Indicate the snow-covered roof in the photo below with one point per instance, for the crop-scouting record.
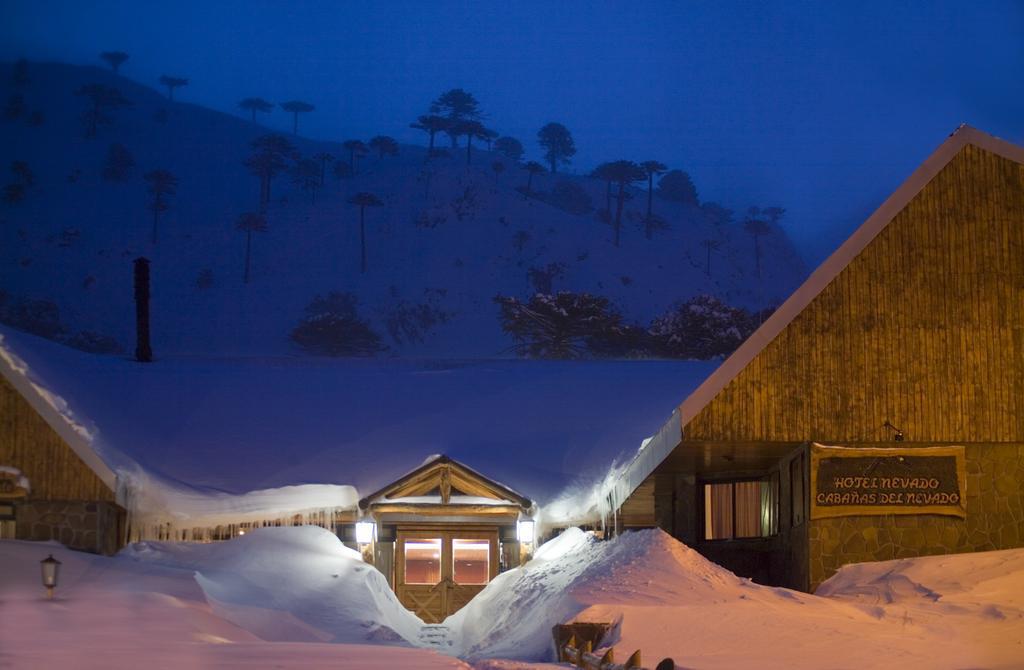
(220, 427)
(671, 432)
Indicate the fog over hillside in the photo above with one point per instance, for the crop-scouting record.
(446, 239)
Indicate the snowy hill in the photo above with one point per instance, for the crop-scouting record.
(447, 239)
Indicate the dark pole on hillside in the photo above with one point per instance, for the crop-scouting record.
(143, 351)
(362, 237)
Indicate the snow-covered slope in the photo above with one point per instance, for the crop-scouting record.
(447, 236)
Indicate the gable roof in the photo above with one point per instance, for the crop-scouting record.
(446, 474)
(671, 432)
(55, 412)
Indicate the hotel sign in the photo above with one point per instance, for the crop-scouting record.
(848, 481)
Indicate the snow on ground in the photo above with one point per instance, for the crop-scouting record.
(669, 601)
(287, 597)
(272, 600)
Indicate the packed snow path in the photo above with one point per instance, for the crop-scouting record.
(435, 636)
(295, 595)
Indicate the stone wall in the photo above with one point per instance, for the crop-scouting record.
(86, 526)
(995, 520)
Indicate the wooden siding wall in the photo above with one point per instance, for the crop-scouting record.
(28, 443)
(924, 328)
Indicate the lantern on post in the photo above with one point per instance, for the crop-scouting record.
(51, 571)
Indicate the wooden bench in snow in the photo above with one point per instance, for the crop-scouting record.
(576, 643)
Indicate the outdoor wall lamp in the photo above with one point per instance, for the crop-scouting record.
(897, 434)
(51, 571)
(525, 531)
(365, 532)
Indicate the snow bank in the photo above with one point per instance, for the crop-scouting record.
(141, 610)
(290, 584)
(668, 601)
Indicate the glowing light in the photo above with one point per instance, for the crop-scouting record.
(365, 530)
(525, 531)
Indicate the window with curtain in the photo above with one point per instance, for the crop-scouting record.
(741, 509)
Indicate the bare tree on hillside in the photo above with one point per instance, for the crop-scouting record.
(651, 168)
(104, 99)
(364, 200)
(253, 105)
(172, 83)
(558, 145)
(296, 107)
(384, 146)
(250, 223)
(115, 59)
(162, 184)
(271, 155)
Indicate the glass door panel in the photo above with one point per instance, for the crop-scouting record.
(471, 561)
(423, 561)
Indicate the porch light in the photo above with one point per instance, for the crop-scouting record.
(51, 571)
(365, 531)
(525, 531)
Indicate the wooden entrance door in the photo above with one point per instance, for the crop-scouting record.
(439, 570)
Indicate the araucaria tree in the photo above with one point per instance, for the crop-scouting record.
(162, 184)
(119, 163)
(470, 129)
(677, 186)
(498, 168)
(296, 107)
(564, 325)
(355, 149)
(332, 327)
(532, 168)
(271, 154)
(103, 99)
(558, 145)
(253, 105)
(431, 124)
(710, 245)
(509, 147)
(651, 168)
(172, 83)
(323, 158)
(306, 174)
(115, 59)
(364, 200)
(250, 223)
(623, 173)
(758, 224)
(456, 106)
(384, 146)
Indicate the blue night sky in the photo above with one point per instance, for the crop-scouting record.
(822, 108)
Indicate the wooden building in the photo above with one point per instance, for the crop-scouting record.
(53, 486)
(441, 533)
(879, 412)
